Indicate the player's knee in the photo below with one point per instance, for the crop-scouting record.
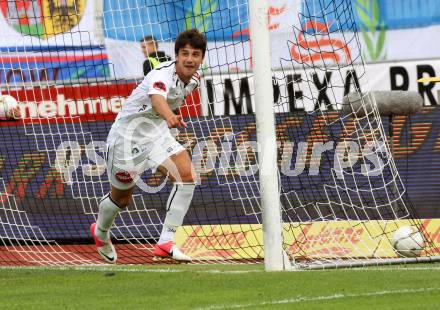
(187, 177)
(121, 197)
(122, 202)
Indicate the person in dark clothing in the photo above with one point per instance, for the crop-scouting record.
(154, 57)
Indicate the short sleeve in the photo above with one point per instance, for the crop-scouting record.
(159, 83)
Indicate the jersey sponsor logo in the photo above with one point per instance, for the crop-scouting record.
(144, 106)
(124, 177)
(160, 86)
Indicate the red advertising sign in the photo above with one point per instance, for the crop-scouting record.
(81, 102)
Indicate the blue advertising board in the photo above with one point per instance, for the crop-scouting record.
(38, 197)
(53, 66)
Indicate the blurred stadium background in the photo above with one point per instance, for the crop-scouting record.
(71, 65)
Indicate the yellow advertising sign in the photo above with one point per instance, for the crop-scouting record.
(221, 241)
(45, 18)
(331, 239)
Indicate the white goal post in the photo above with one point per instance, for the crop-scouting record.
(266, 139)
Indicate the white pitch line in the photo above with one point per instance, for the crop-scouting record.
(301, 299)
(121, 268)
(378, 268)
(108, 268)
(85, 268)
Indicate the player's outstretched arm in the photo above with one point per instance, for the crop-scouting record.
(162, 108)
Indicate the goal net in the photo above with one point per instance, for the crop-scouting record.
(72, 64)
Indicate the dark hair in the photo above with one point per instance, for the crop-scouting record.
(192, 37)
(148, 38)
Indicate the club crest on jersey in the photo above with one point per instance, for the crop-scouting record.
(124, 177)
(160, 86)
(43, 19)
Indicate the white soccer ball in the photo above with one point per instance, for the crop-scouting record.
(9, 101)
(7, 106)
(408, 241)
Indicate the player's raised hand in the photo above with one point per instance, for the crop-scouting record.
(175, 121)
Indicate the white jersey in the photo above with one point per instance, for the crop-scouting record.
(137, 109)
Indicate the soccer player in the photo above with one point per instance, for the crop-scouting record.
(154, 57)
(140, 139)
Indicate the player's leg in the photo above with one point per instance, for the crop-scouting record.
(122, 186)
(109, 207)
(181, 171)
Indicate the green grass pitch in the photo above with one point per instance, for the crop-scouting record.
(219, 287)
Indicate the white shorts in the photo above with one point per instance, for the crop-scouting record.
(125, 162)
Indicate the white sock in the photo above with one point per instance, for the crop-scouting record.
(106, 216)
(177, 206)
